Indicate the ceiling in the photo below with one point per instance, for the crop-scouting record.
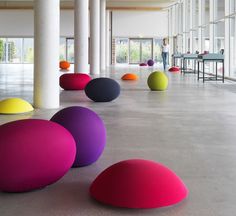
(110, 3)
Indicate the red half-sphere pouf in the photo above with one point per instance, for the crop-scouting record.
(143, 64)
(138, 184)
(64, 65)
(74, 81)
(174, 69)
(33, 154)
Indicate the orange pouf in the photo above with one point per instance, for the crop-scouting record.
(130, 76)
(64, 65)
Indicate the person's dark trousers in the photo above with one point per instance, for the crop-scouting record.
(165, 58)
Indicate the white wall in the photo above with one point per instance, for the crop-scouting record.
(140, 23)
(125, 23)
(16, 23)
(21, 23)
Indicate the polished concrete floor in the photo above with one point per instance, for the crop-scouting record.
(191, 128)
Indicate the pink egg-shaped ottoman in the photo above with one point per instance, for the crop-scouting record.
(174, 69)
(33, 154)
(138, 184)
(74, 81)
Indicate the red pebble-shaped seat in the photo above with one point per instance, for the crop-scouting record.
(143, 64)
(138, 184)
(174, 69)
(74, 81)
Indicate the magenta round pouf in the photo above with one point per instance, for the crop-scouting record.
(33, 154)
(74, 81)
(150, 62)
(88, 130)
(138, 184)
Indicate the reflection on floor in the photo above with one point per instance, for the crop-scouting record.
(189, 128)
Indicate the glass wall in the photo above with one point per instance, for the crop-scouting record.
(62, 48)
(70, 49)
(21, 50)
(232, 6)
(2, 50)
(28, 50)
(157, 50)
(219, 36)
(213, 29)
(233, 47)
(219, 9)
(137, 50)
(16, 50)
(122, 50)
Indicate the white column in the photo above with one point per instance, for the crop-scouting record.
(95, 36)
(46, 54)
(227, 40)
(81, 29)
(184, 27)
(108, 39)
(212, 26)
(201, 13)
(192, 25)
(103, 34)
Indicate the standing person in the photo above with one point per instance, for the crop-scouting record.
(165, 52)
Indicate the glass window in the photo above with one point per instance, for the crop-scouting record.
(195, 41)
(232, 6)
(219, 9)
(233, 47)
(2, 50)
(206, 39)
(196, 14)
(135, 51)
(14, 50)
(180, 43)
(70, 50)
(62, 48)
(219, 36)
(207, 12)
(157, 50)
(28, 50)
(146, 50)
(122, 50)
(187, 16)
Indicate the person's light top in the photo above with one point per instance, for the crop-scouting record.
(165, 48)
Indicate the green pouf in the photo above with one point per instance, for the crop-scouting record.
(158, 81)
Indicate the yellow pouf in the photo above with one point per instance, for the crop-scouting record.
(158, 81)
(15, 106)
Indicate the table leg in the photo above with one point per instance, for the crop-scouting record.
(203, 70)
(198, 72)
(223, 71)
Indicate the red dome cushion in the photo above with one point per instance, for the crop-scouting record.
(74, 81)
(174, 69)
(138, 184)
(143, 64)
